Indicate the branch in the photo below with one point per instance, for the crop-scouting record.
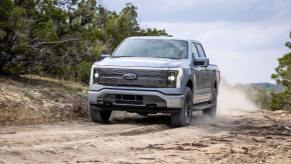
(55, 42)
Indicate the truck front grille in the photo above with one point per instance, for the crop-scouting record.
(144, 78)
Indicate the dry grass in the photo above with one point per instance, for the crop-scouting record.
(33, 99)
(72, 85)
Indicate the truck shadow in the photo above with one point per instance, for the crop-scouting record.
(129, 118)
(151, 119)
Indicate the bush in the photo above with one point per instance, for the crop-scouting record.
(278, 100)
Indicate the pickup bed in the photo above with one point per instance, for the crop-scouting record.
(154, 75)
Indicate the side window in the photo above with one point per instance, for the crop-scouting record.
(200, 50)
(194, 51)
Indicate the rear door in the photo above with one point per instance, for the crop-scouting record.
(207, 74)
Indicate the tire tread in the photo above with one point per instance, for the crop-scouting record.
(99, 116)
(178, 119)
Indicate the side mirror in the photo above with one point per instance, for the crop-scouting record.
(201, 62)
(103, 56)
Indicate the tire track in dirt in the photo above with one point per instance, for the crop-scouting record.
(244, 138)
(63, 135)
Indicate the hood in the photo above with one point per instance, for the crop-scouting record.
(141, 62)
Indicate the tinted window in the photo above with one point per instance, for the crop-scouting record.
(194, 51)
(174, 49)
(200, 50)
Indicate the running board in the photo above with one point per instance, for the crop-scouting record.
(202, 106)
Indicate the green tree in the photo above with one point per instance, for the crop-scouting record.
(283, 77)
(61, 38)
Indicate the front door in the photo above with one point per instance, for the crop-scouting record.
(202, 80)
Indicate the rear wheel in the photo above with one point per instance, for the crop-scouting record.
(184, 116)
(211, 112)
(99, 115)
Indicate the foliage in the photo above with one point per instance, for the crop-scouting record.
(279, 100)
(283, 77)
(61, 38)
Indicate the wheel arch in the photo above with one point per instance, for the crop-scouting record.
(215, 85)
(190, 84)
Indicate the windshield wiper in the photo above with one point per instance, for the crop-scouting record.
(122, 56)
(167, 58)
(145, 56)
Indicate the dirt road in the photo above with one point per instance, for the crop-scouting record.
(239, 137)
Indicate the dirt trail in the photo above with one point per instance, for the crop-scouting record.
(240, 137)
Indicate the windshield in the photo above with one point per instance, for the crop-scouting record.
(157, 48)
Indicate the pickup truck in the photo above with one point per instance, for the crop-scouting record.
(149, 75)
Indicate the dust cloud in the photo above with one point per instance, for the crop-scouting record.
(233, 99)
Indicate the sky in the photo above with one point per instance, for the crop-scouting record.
(243, 37)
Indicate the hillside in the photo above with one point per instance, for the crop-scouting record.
(261, 93)
(33, 99)
(268, 87)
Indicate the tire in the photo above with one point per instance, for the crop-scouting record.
(184, 116)
(142, 113)
(211, 112)
(98, 115)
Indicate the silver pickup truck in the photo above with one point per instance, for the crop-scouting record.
(154, 75)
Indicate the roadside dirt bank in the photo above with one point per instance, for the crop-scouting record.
(28, 100)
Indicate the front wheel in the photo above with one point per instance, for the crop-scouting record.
(99, 115)
(184, 116)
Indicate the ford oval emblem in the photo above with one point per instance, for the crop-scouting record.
(129, 76)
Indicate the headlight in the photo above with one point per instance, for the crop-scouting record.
(172, 79)
(95, 76)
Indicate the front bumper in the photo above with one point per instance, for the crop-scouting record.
(151, 100)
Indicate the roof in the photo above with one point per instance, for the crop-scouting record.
(162, 38)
